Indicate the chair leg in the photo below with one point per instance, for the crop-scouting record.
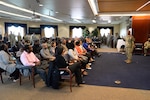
(5, 73)
(70, 84)
(32, 75)
(20, 78)
(70, 77)
(1, 78)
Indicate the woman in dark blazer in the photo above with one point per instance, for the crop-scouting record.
(74, 67)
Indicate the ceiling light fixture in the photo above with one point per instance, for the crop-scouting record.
(143, 13)
(94, 21)
(13, 14)
(15, 7)
(94, 6)
(40, 4)
(28, 11)
(77, 20)
(109, 21)
(143, 6)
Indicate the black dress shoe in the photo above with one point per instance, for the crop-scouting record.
(83, 82)
(78, 84)
(99, 55)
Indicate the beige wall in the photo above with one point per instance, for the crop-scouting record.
(1, 27)
(63, 29)
(123, 29)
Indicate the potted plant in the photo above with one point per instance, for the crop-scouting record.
(86, 32)
(94, 32)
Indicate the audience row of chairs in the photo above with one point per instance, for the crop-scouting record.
(32, 75)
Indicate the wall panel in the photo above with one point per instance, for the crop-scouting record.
(141, 28)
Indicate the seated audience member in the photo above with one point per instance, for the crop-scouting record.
(146, 46)
(18, 53)
(15, 48)
(82, 51)
(21, 43)
(28, 58)
(27, 42)
(74, 58)
(72, 53)
(87, 46)
(7, 63)
(52, 48)
(1, 37)
(36, 48)
(96, 41)
(90, 48)
(63, 44)
(45, 53)
(74, 67)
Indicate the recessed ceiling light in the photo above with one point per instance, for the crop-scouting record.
(109, 21)
(40, 4)
(94, 21)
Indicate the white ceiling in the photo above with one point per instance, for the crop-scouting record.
(65, 10)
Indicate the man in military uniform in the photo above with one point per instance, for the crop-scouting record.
(129, 46)
(146, 46)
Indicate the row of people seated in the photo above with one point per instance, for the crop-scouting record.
(29, 58)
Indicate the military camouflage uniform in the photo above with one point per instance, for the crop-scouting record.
(129, 46)
(146, 46)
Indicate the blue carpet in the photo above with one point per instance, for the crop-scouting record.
(111, 67)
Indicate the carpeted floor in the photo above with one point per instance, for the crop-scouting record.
(95, 91)
(111, 67)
